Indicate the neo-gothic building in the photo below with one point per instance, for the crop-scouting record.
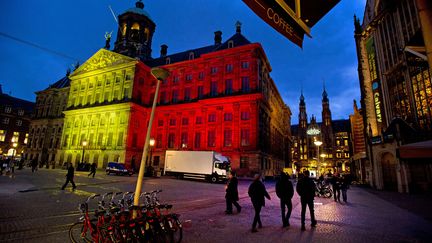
(335, 151)
(219, 97)
(394, 49)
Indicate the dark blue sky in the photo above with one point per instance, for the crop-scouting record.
(76, 28)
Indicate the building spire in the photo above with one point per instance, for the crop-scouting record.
(324, 94)
(238, 27)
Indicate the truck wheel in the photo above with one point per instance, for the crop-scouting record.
(214, 178)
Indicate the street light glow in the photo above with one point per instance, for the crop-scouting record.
(84, 143)
(318, 143)
(152, 142)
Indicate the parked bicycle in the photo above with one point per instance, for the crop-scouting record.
(323, 190)
(114, 222)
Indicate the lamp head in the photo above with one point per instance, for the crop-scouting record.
(160, 73)
(318, 143)
(152, 142)
(84, 143)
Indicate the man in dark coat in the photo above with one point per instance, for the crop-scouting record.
(306, 191)
(335, 182)
(257, 192)
(231, 195)
(92, 169)
(69, 177)
(285, 191)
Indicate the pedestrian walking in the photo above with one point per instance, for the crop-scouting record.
(335, 182)
(306, 190)
(12, 166)
(257, 192)
(344, 185)
(92, 170)
(231, 195)
(34, 164)
(285, 191)
(70, 177)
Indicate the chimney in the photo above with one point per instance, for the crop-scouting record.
(164, 50)
(218, 37)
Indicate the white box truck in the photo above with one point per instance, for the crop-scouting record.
(207, 165)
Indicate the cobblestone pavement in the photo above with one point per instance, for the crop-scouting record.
(33, 209)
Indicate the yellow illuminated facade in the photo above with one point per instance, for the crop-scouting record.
(98, 110)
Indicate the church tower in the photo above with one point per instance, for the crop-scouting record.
(302, 136)
(326, 127)
(135, 33)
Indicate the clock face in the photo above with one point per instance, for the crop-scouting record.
(375, 85)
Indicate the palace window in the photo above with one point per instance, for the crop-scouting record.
(229, 68)
(200, 92)
(189, 77)
(185, 121)
(199, 120)
(245, 84)
(172, 122)
(201, 75)
(244, 137)
(160, 123)
(245, 65)
(2, 135)
(171, 140)
(211, 138)
(245, 115)
(212, 117)
(213, 89)
(228, 86)
(213, 70)
(228, 138)
(197, 140)
(228, 117)
(187, 94)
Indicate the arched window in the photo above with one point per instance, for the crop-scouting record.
(168, 60)
(230, 44)
(135, 31)
(191, 55)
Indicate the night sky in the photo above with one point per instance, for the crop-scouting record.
(76, 29)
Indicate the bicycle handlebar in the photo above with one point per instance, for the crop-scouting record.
(92, 197)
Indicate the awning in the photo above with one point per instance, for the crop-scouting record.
(416, 150)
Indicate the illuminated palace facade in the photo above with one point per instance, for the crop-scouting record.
(333, 154)
(218, 97)
(394, 44)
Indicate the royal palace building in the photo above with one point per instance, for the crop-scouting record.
(218, 97)
(394, 49)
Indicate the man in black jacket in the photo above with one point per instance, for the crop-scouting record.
(285, 191)
(69, 177)
(257, 192)
(231, 195)
(306, 191)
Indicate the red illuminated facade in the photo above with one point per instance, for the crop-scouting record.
(217, 98)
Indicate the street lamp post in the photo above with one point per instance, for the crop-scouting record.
(160, 74)
(318, 144)
(84, 144)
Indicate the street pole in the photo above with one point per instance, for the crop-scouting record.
(160, 74)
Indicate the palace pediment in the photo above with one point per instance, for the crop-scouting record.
(103, 59)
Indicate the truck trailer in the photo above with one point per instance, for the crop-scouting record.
(207, 165)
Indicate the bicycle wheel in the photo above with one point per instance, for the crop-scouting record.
(175, 230)
(328, 193)
(77, 234)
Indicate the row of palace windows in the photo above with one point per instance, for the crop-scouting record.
(6, 121)
(8, 109)
(102, 139)
(98, 97)
(214, 91)
(229, 68)
(198, 139)
(115, 77)
(245, 115)
(107, 119)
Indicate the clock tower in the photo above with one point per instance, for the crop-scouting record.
(135, 33)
